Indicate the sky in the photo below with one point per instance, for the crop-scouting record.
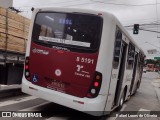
(129, 12)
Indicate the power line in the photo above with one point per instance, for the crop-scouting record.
(79, 4)
(143, 24)
(92, 2)
(48, 3)
(152, 44)
(149, 30)
(143, 20)
(143, 29)
(151, 4)
(140, 21)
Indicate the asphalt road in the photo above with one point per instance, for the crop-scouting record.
(146, 99)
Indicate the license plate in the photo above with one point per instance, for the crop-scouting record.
(58, 84)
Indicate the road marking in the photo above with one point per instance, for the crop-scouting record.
(124, 106)
(144, 110)
(114, 118)
(65, 118)
(57, 118)
(23, 99)
(35, 108)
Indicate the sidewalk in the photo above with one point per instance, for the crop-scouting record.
(9, 90)
(156, 84)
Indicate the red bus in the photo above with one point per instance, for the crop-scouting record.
(150, 67)
(83, 59)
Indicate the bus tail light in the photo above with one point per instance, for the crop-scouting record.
(27, 74)
(95, 86)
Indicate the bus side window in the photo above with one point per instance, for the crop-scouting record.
(117, 48)
(130, 57)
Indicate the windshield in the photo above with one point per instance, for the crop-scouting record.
(70, 30)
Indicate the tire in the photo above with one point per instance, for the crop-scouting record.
(121, 102)
(137, 86)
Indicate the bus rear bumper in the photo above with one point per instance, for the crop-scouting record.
(93, 107)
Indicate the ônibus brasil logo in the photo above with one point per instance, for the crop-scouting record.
(39, 51)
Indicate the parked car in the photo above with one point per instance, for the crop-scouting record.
(144, 69)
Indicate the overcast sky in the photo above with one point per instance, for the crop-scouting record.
(129, 12)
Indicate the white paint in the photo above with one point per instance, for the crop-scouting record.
(79, 67)
(143, 109)
(58, 72)
(64, 41)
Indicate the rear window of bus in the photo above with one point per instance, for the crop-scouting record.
(69, 30)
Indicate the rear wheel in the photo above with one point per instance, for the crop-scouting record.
(121, 101)
(137, 86)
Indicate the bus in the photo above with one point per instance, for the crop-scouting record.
(81, 58)
(152, 68)
(156, 68)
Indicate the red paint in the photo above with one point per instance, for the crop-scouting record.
(89, 95)
(44, 67)
(29, 78)
(60, 51)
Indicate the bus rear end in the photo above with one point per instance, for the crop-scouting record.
(61, 62)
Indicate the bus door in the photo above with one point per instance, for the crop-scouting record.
(134, 72)
(118, 67)
(120, 73)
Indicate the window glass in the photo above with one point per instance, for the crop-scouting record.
(130, 57)
(76, 31)
(117, 48)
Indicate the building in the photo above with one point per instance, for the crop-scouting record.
(152, 54)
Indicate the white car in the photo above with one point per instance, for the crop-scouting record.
(144, 70)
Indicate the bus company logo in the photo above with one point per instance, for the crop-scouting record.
(79, 67)
(39, 51)
(58, 72)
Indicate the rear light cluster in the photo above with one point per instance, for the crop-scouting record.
(27, 74)
(95, 86)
